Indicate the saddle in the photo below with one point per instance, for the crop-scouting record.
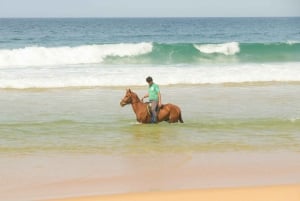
(149, 108)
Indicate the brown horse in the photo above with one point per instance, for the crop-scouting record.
(167, 112)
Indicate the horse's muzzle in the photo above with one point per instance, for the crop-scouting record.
(122, 103)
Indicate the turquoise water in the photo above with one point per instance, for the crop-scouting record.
(18, 33)
(230, 53)
(235, 79)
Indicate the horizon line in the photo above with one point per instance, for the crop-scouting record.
(112, 17)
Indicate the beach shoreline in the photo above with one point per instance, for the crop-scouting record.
(50, 177)
(262, 193)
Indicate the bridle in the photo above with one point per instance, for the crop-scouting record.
(129, 101)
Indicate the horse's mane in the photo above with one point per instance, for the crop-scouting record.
(134, 94)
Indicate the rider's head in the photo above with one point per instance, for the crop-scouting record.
(149, 79)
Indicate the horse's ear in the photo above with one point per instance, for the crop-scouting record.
(129, 90)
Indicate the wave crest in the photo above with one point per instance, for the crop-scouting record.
(41, 56)
(225, 48)
(151, 53)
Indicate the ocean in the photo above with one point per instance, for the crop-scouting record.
(235, 79)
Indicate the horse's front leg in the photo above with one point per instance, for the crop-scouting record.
(143, 117)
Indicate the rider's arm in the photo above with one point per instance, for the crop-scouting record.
(159, 98)
(146, 96)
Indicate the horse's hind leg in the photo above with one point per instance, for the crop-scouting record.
(173, 118)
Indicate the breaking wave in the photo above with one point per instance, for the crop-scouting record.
(151, 53)
(226, 48)
(87, 54)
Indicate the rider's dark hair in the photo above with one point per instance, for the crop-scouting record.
(149, 79)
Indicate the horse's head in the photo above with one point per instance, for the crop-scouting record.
(128, 98)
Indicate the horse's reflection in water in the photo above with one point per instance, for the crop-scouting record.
(168, 112)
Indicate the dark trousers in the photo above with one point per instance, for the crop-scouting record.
(154, 111)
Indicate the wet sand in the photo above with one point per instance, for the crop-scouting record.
(274, 193)
(41, 177)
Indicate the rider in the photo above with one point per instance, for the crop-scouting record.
(154, 98)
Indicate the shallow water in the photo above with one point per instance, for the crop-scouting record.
(217, 118)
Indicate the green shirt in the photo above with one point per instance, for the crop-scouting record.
(153, 91)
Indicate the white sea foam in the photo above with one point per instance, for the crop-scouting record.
(224, 48)
(52, 56)
(87, 76)
(292, 42)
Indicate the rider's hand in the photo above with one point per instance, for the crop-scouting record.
(159, 105)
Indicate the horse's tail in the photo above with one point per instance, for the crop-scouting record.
(180, 117)
(179, 114)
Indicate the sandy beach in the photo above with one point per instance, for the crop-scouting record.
(210, 175)
(269, 193)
